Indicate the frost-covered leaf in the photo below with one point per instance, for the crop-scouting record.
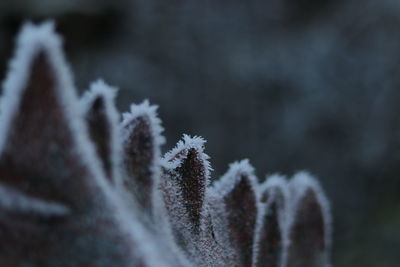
(185, 178)
(215, 238)
(56, 208)
(37, 140)
(309, 223)
(271, 234)
(236, 190)
(208, 252)
(141, 138)
(184, 185)
(102, 120)
(140, 132)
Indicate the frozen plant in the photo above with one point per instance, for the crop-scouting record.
(81, 187)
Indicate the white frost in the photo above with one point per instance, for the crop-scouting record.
(233, 176)
(16, 201)
(30, 42)
(175, 157)
(218, 207)
(177, 213)
(298, 187)
(277, 187)
(172, 161)
(150, 113)
(101, 90)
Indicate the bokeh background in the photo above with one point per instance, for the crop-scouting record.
(289, 84)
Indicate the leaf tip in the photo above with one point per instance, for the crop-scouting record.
(149, 113)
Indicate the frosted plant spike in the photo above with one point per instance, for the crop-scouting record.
(270, 241)
(102, 119)
(141, 140)
(309, 223)
(186, 174)
(237, 192)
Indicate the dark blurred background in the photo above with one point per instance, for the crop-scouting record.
(289, 84)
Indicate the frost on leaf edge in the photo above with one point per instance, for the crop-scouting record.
(170, 161)
(298, 186)
(148, 111)
(107, 93)
(149, 114)
(100, 89)
(18, 202)
(32, 40)
(272, 182)
(233, 176)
